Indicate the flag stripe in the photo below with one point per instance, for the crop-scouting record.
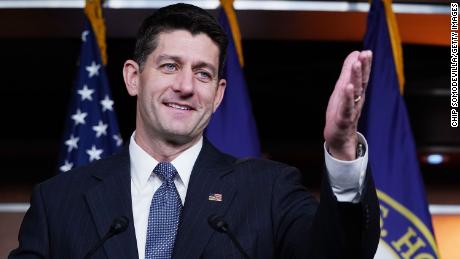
(395, 42)
(227, 5)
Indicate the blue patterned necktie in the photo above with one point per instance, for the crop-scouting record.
(164, 215)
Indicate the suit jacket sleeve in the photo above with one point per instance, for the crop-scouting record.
(33, 235)
(331, 229)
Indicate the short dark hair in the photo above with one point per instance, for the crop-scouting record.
(176, 17)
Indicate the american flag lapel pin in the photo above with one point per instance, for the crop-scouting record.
(215, 197)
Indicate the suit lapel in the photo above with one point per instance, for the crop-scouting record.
(110, 199)
(207, 178)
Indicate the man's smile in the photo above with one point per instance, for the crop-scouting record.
(184, 107)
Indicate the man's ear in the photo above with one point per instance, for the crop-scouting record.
(220, 93)
(131, 74)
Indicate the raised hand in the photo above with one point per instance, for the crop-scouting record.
(345, 104)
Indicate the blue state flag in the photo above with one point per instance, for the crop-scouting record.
(406, 229)
(232, 128)
(91, 131)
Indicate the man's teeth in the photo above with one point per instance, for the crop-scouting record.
(178, 106)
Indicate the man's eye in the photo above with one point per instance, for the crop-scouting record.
(204, 75)
(169, 67)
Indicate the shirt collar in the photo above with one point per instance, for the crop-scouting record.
(142, 164)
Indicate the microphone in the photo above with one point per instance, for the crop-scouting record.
(219, 224)
(119, 225)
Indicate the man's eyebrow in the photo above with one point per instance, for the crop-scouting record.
(171, 57)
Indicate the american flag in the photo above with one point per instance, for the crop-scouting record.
(215, 197)
(91, 127)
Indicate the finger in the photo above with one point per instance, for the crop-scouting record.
(356, 79)
(359, 107)
(366, 60)
(345, 74)
(347, 104)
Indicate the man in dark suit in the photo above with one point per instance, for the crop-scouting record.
(170, 180)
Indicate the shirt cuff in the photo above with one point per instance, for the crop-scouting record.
(347, 177)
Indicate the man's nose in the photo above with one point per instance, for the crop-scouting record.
(185, 82)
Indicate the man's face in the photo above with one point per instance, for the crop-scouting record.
(178, 88)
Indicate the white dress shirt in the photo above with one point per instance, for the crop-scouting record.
(144, 183)
(346, 179)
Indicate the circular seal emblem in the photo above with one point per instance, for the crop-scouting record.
(403, 234)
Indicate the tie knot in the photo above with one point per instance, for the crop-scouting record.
(165, 171)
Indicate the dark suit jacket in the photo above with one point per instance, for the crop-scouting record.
(264, 203)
